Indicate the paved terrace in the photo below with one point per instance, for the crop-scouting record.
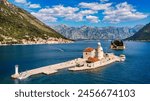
(45, 70)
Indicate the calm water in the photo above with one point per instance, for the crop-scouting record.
(136, 68)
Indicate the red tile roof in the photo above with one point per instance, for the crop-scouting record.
(89, 49)
(90, 59)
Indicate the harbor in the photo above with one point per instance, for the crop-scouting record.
(92, 58)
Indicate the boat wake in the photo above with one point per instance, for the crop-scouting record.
(59, 49)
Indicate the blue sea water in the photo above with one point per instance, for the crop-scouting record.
(135, 70)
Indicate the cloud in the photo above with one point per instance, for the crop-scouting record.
(80, 15)
(28, 4)
(93, 19)
(95, 5)
(21, 1)
(104, 1)
(44, 17)
(34, 6)
(86, 12)
(122, 12)
(59, 11)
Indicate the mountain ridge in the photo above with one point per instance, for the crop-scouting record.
(142, 35)
(86, 32)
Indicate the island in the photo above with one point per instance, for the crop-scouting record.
(117, 45)
(92, 58)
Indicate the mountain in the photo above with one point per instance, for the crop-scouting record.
(85, 32)
(142, 34)
(19, 26)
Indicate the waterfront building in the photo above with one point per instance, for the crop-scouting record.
(93, 55)
(89, 52)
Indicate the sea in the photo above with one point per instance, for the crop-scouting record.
(134, 70)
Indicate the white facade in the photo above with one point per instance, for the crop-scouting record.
(16, 69)
(98, 53)
(86, 55)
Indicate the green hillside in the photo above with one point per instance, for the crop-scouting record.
(17, 24)
(143, 34)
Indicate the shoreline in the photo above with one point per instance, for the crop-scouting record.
(28, 44)
(137, 40)
(36, 44)
(70, 65)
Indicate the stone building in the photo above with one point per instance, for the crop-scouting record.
(89, 52)
(93, 55)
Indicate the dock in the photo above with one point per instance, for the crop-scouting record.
(43, 70)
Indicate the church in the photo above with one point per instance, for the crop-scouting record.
(93, 55)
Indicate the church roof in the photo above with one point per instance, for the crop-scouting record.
(89, 49)
(91, 59)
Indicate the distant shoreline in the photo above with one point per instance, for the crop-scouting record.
(111, 40)
(138, 40)
(35, 44)
(67, 42)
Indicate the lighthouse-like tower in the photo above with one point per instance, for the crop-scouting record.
(100, 53)
(16, 69)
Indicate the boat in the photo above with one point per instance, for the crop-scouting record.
(122, 57)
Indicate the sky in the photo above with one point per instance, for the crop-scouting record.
(98, 13)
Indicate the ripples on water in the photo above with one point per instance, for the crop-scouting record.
(135, 69)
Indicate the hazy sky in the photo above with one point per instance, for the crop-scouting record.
(88, 12)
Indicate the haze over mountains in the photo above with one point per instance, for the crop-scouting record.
(86, 32)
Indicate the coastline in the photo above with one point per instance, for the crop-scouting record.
(137, 40)
(57, 41)
(39, 43)
(32, 44)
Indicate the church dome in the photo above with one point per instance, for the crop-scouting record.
(99, 43)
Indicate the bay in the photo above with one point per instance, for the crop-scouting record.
(135, 70)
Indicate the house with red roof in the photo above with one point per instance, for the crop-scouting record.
(93, 55)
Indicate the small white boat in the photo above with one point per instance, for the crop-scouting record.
(122, 57)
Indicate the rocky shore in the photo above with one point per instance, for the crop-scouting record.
(35, 41)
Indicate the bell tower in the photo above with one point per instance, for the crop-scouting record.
(100, 53)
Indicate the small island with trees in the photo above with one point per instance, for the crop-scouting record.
(117, 45)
